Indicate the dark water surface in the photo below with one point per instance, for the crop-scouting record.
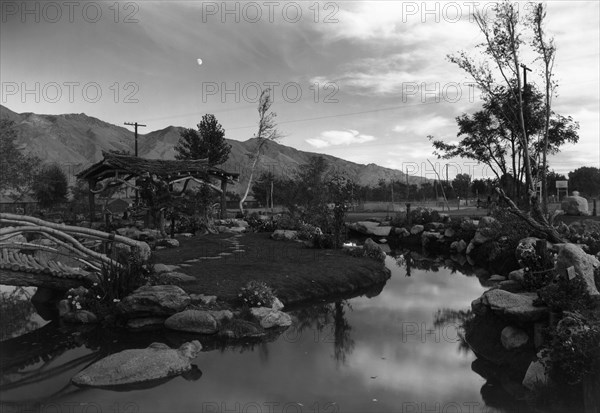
(384, 353)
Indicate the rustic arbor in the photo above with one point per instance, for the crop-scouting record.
(117, 170)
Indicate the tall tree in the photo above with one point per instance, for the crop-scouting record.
(585, 180)
(461, 184)
(17, 169)
(267, 132)
(206, 143)
(50, 186)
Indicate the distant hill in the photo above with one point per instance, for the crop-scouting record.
(77, 140)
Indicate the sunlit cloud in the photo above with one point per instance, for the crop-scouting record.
(337, 137)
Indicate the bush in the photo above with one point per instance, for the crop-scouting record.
(563, 294)
(323, 241)
(256, 294)
(260, 225)
(574, 350)
(539, 271)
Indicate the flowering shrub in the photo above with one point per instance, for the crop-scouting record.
(256, 294)
(539, 271)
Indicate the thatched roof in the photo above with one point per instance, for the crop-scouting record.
(127, 165)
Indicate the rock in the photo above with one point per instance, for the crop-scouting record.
(137, 323)
(434, 226)
(221, 315)
(401, 232)
(428, 238)
(574, 205)
(510, 286)
(269, 318)
(487, 222)
(238, 329)
(175, 277)
(512, 337)
(81, 317)
(157, 300)
(479, 306)
(284, 235)
(449, 233)
(517, 275)
(417, 229)
(497, 278)
(144, 251)
(569, 255)
(461, 246)
(193, 321)
(160, 268)
(514, 307)
(277, 304)
(240, 223)
(373, 250)
(537, 375)
(204, 299)
(371, 228)
(479, 238)
(63, 307)
(130, 232)
(383, 241)
(470, 248)
(168, 242)
(139, 365)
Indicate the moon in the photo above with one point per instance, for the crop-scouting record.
(199, 62)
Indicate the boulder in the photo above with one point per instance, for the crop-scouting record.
(371, 228)
(460, 246)
(168, 242)
(160, 268)
(130, 232)
(574, 205)
(428, 238)
(80, 317)
(374, 250)
(470, 248)
(238, 329)
(175, 277)
(240, 223)
(284, 235)
(510, 286)
(277, 304)
(514, 307)
(537, 375)
(417, 229)
(512, 337)
(269, 318)
(449, 233)
(193, 321)
(434, 226)
(497, 278)
(401, 232)
(487, 222)
(134, 366)
(517, 275)
(570, 255)
(479, 238)
(204, 299)
(156, 300)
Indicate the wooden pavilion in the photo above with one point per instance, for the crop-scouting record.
(116, 170)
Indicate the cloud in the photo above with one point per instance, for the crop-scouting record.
(339, 137)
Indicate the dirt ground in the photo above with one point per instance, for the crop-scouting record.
(224, 263)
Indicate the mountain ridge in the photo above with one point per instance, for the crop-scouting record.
(76, 140)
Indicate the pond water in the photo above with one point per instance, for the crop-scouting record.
(392, 352)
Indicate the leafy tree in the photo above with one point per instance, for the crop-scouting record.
(267, 132)
(208, 142)
(17, 170)
(50, 186)
(586, 180)
(479, 187)
(461, 185)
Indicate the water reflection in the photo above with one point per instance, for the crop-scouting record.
(390, 350)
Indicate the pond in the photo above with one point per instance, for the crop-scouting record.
(391, 352)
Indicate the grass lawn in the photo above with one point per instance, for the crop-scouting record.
(296, 273)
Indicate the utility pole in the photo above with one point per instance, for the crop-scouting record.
(392, 195)
(136, 134)
(137, 195)
(407, 187)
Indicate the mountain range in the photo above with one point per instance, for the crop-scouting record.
(75, 141)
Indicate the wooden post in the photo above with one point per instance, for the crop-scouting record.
(223, 199)
(595, 211)
(540, 250)
(91, 200)
(408, 215)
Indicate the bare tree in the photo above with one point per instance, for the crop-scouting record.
(267, 132)
(547, 50)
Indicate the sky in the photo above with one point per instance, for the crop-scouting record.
(366, 81)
